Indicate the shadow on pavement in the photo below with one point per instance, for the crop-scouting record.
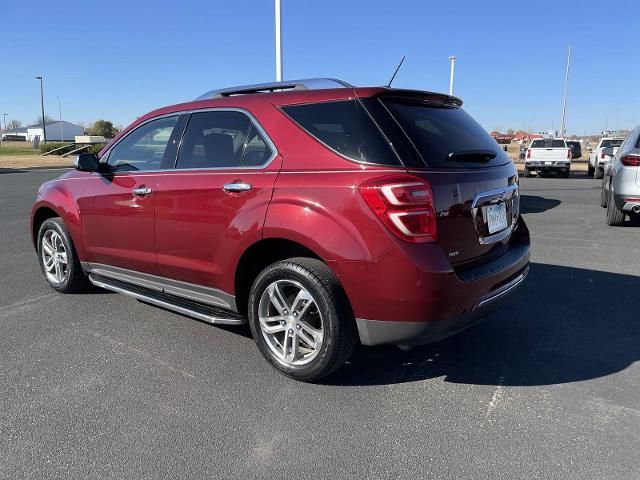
(536, 204)
(12, 170)
(564, 325)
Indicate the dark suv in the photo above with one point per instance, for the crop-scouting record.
(322, 216)
(576, 149)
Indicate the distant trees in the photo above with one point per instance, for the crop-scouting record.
(47, 119)
(103, 128)
(14, 124)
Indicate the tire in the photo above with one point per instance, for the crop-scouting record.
(566, 174)
(526, 172)
(326, 315)
(598, 174)
(53, 236)
(603, 195)
(615, 217)
(589, 170)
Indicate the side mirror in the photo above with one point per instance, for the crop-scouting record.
(87, 162)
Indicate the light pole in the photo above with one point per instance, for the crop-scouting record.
(44, 129)
(5, 127)
(564, 100)
(453, 67)
(278, 41)
(60, 114)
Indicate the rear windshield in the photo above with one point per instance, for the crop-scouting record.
(439, 131)
(611, 143)
(548, 143)
(345, 127)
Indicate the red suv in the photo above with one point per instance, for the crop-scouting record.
(321, 213)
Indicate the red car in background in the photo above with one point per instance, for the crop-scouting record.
(321, 213)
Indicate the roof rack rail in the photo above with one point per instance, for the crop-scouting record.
(304, 84)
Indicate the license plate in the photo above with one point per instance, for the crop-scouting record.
(547, 163)
(496, 217)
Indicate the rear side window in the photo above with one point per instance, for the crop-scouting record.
(548, 143)
(437, 132)
(345, 127)
(222, 139)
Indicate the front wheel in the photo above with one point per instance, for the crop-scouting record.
(58, 259)
(300, 319)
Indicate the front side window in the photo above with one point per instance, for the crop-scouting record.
(146, 148)
(222, 139)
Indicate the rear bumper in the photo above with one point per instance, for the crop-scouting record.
(413, 295)
(377, 332)
(550, 165)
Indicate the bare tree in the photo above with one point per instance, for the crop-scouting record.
(14, 124)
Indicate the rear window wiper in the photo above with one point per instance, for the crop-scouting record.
(473, 155)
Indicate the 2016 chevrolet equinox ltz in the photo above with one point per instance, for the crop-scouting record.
(320, 213)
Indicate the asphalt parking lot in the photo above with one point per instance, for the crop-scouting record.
(99, 385)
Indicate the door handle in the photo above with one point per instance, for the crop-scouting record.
(141, 191)
(237, 187)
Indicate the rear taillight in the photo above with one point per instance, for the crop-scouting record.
(601, 155)
(569, 153)
(404, 204)
(630, 160)
(528, 153)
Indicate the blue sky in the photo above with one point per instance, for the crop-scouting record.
(117, 60)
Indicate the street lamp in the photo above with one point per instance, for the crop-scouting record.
(278, 12)
(5, 120)
(44, 129)
(453, 67)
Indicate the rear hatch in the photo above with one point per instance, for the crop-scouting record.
(474, 182)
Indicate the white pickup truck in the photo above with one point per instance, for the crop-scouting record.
(601, 155)
(546, 155)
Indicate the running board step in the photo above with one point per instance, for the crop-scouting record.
(197, 310)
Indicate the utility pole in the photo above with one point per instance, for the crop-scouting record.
(453, 67)
(278, 10)
(44, 128)
(5, 127)
(564, 101)
(60, 116)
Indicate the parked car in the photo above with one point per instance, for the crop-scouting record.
(598, 157)
(621, 182)
(548, 155)
(576, 149)
(320, 216)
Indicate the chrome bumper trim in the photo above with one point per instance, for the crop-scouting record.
(503, 290)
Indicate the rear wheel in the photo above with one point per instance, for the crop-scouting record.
(526, 172)
(300, 319)
(58, 259)
(615, 217)
(589, 170)
(566, 173)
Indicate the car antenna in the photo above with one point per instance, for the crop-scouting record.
(396, 72)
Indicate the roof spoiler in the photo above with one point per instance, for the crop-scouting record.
(430, 98)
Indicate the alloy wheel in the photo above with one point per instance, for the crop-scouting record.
(291, 322)
(54, 257)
